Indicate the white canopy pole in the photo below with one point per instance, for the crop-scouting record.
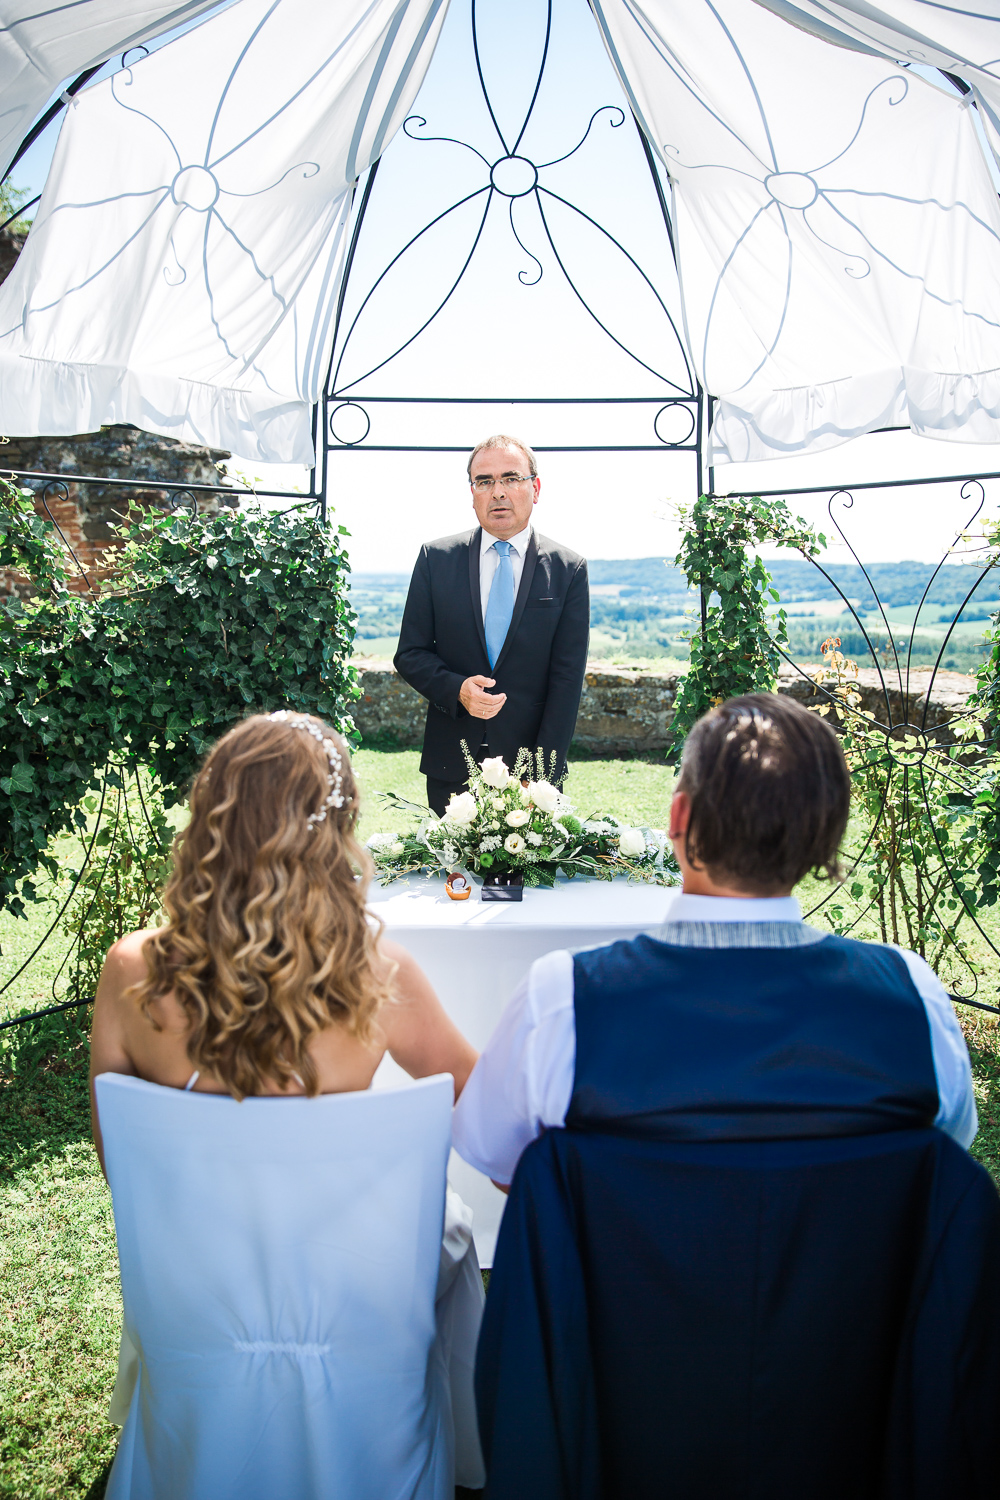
(183, 269)
(838, 231)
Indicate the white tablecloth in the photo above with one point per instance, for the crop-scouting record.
(475, 953)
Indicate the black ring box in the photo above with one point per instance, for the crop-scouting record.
(508, 886)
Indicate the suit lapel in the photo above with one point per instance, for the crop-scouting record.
(475, 589)
(527, 572)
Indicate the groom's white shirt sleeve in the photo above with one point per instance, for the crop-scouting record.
(523, 1081)
(956, 1115)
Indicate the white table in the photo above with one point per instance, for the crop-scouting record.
(475, 953)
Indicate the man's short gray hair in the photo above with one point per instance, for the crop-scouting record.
(504, 440)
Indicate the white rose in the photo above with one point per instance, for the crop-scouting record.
(544, 795)
(461, 809)
(631, 842)
(514, 843)
(518, 817)
(495, 772)
(497, 802)
(379, 841)
(397, 849)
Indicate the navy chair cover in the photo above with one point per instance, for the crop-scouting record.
(791, 1320)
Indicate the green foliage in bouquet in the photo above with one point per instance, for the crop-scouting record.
(518, 822)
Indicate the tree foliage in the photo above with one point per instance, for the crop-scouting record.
(11, 199)
(208, 618)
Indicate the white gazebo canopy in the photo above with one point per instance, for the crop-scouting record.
(831, 169)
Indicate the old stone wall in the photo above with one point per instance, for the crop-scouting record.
(627, 711)
(86, 513)
(388, 709)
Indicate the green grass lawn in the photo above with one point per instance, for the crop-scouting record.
(59, 1287)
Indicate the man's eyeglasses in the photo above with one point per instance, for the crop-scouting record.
(482, 484)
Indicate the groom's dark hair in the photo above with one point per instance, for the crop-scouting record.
(770, 793)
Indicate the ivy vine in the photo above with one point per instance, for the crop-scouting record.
(206, 619)
(735, 650)
(986, 700)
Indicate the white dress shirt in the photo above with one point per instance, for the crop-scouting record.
(523, 1082)
(489, 561)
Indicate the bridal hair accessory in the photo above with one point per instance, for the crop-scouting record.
(335, 780)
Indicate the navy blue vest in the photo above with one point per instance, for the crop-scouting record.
(683, 1043)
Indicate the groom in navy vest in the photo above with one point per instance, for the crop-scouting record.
(746, 1265)
(739, 1021)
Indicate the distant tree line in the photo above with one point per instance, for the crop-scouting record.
(640, 604)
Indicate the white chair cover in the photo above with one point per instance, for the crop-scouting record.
(280, 1263)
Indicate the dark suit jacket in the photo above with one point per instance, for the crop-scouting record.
(540, 668)
(770, 1320)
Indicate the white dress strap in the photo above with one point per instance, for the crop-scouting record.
(192, 1081)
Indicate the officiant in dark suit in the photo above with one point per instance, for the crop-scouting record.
(495, 628)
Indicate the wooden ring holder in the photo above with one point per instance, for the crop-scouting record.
(458, 895)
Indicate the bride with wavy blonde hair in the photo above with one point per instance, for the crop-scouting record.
(270, 976)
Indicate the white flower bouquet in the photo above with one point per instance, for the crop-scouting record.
(517, 824)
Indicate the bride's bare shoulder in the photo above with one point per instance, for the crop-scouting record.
(126, 963)
(397, 965)
(390, 952)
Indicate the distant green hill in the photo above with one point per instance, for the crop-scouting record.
(800, 581)
(641, 608)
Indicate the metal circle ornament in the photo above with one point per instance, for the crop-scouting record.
(907, 745)
(792, 189)
(350, 424)
(514, 176)
(458, 886)
(195, 187)
(674, 423)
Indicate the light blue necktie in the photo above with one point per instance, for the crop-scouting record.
(500, 606)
